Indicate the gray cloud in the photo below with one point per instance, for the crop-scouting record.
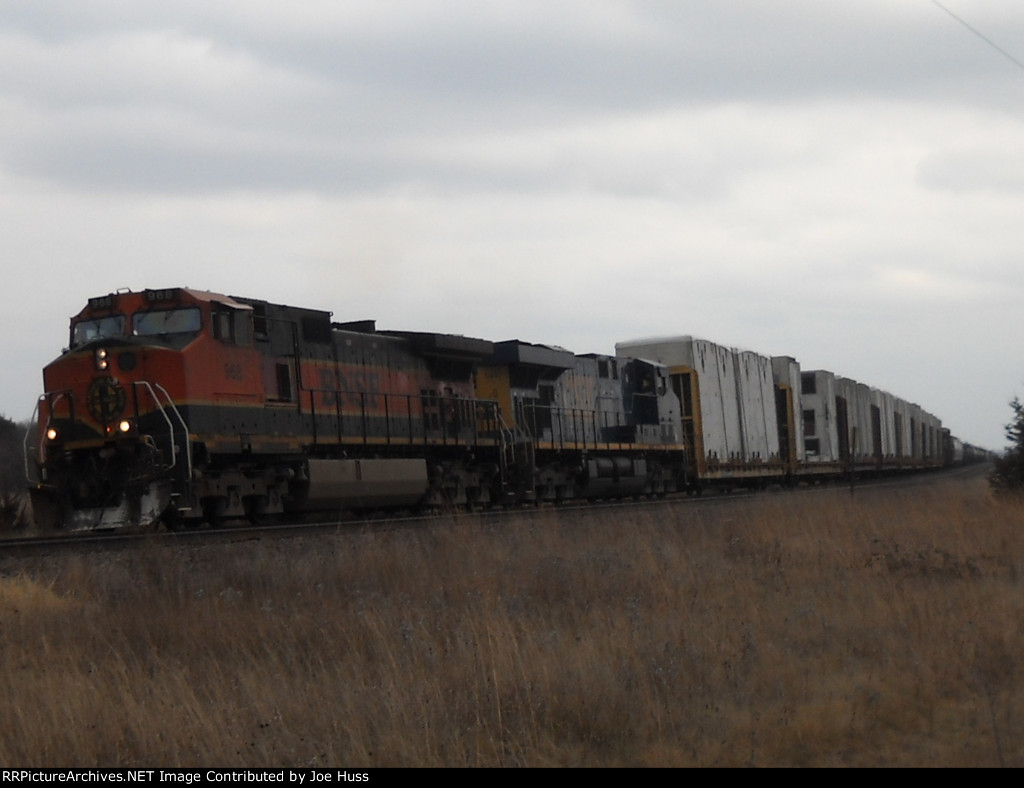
(285, 97)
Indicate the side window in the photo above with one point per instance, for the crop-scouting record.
(259, 322)
(243, 325)
(284, 382)
(231, 326)
(222, 325)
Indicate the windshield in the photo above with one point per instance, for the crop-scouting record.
(166, 321)
(98, 328)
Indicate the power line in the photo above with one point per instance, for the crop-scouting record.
(982, 36)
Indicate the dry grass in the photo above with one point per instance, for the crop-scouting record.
(822, 630)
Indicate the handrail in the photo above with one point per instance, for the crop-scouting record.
(170, 426)
(452, 419)
(41, 435)
(577, 426)
(25, 441)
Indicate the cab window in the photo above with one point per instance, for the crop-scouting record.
(166, 321)
(97, 328)
(231, 326)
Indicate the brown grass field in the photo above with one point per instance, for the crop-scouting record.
(838, 628)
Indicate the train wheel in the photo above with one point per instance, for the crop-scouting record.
(213, 509)
(172, 520)
(255, 509)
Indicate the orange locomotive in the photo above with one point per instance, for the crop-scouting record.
(184, 406)
(191, 406)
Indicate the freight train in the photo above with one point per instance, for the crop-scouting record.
(182, 407)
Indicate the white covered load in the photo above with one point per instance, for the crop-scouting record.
(818, 417)
(862, 443)
(886, 404)
(728, 400)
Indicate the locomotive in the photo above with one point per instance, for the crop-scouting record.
(181, 407)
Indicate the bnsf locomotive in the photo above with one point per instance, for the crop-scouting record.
(182, 407)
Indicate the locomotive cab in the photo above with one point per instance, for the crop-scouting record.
(112, 428)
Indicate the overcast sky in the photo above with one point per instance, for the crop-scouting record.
(842, 182)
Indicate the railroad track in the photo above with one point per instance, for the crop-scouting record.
(27, 544)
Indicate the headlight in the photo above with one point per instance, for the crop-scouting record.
(123, 427)
(51, 434)
(101, 359)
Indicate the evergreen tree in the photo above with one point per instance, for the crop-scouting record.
(12, 476)
(12, 466)
(1008, 474)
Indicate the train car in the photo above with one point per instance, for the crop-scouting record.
(729, 408)
(588, 426)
